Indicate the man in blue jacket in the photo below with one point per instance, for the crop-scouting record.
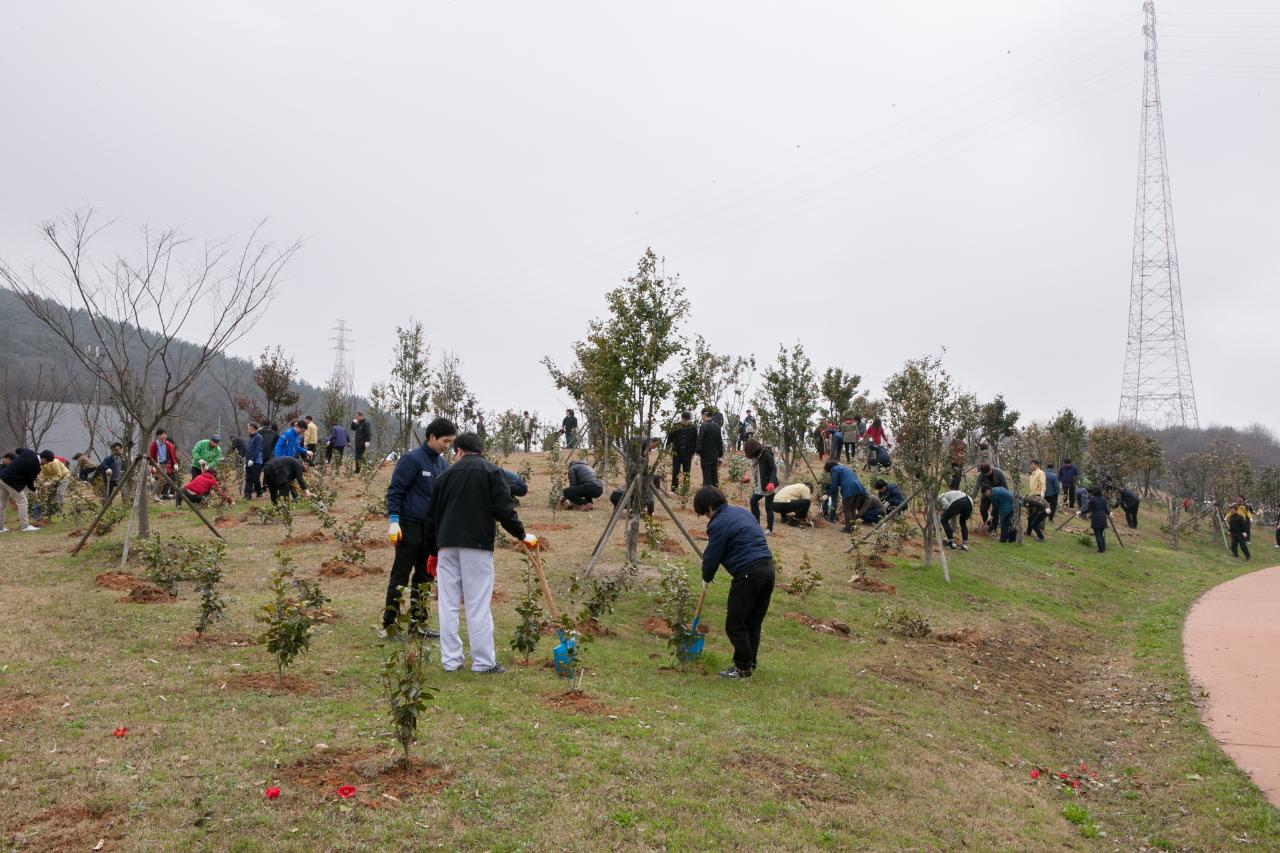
(1068, 475)
(1052, 488)
(409, 512)
(290, 441)
(734, 540)
(845, 488)
(253, 463)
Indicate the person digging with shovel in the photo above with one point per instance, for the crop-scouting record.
(735, 541)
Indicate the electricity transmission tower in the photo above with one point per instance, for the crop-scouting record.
(1157, 387)
(343, 377)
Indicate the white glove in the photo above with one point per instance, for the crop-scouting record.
(531, 540)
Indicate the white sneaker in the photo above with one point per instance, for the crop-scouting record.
(6, 530)
(768, 533)
(30, 528)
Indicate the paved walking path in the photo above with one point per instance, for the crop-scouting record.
(1230, 643)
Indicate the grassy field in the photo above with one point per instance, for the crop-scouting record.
(867, 741)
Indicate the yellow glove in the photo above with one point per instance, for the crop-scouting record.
(530, 540)
(394, 534)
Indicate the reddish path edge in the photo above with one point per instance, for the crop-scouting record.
(1229, 643)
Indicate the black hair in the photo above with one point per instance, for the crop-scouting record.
(273, 426)
(752, 448)
(880, 484)
(252, 425)
(1066, 461)
(308, 417)
(1050, 465)
(986, 488)
(161, 431)
(1035, 461)
(443, 428)
(828, 465)
(707, 500)
(1096, 491)
(359, 414)
(985, 467)
(706, 410)
(469, 442)
(116, 444)
(686, 416)
(46, 455)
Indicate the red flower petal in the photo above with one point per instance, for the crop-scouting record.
(271, 793)
(1075, 783)
(121, 731)
(347, 791)
(1082, 767)
(1062, 775)
(1035, 774)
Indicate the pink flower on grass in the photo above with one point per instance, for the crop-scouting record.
(272, 793)
(347, 791)
(1035, 774)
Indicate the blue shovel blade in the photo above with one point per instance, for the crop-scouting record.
(563, 655)
(694, 648)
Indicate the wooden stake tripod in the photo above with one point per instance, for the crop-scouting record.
(624, 505)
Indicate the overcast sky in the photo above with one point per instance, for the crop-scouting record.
(880, 179)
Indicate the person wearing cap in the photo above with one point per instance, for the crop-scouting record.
(310, 435)
(682, 440)
(53, 474)
(709, 448)
(411, 525)
(206, 454)
(467, 500)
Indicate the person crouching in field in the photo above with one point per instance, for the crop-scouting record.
(734, 540)
(792, 504)
(199, 487)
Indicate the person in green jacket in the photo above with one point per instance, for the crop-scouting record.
(208, 452)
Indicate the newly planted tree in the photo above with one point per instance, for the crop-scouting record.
(529, 629)
(404, 674)
(289, 628)
(208, 577)
(675, 602)
(351, 538)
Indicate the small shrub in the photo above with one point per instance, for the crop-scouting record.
(115, 514)
(323, 499)
(675, 603)
(1085, 539)
(169, 564)
(280, 512)
(208, 578)
(1079, 815)
(351, 538)
(376, 505)
(807, 579)
(310, 595)
(737, 470)
(404, 674)
(289, 628)
(904, 621)
(685, 491)
(529, 630)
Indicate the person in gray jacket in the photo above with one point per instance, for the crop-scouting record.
(584, 486)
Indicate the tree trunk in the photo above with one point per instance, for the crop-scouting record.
(930, 533)
(635, 470)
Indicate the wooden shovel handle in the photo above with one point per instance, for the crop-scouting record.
(697, 614)
(536, 553)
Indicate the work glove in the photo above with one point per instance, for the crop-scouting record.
(530, 540)
(431, 566)
(769, 488)
(393, 532)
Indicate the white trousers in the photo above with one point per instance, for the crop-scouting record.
(19, 498)
(465, 574)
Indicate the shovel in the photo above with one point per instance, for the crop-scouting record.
(566, 653)
(692, 649)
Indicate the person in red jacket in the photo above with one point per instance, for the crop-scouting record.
(164, 457)
(198, 489)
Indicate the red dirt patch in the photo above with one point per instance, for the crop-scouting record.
(700, 535)
(304, 539)
(592, 628)
(543, 543)
(875, 561)
(342, 569)
(828, 626)
(226, 521)
(379, 780)
(867, 584)
(577, 702)
(16, 708)
(266, 682)
(144, 592)
(375, 542)
(193, 639)
(68, 827)
(654, 625)
(965, 637)
(547, 527)
(792, 780)
(117, 580)
(74, 533)
(671, 546)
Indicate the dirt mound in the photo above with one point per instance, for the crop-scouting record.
(875, 561)
(380, 780)
(67, 826)
(826, 626)
(343, 569)
(577, 702)
(226, 521)
(793, 780)
(304, 539)
(654, 625)
(867, 584)
(592, 628)
(376, 542)
(965, 637)
(235, 641)
(16, 708)
(144, 592)
(544, 544)
(117, 580)
(670, 546)
(547, 527)
(700, 535)
(266, 682)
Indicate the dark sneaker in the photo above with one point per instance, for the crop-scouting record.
(734, 672)
(496, 669)
(964, 546)
(432, 634)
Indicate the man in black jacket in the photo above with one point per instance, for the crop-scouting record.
(281, 473)
(270, 436)
(1129, 502)
(709, 448)
(16, 479)
(569, 429)
(682, 440)
(361, 435)
(469, 497)
(994, 477)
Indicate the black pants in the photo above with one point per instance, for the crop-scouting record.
(1035, 522)
(800, 509)
(710, 471)
(184, 495)
(957, 510)
(850, 507)
(1238, 541)
(679, 464)
(359, 452)
(984, 509)
(1100, 536)
(410, 560)
(328, 453)
(768, 509)
(278, 489)
(1131, 517)
(1053, 505)
(570, 439)
(957, 475)
(580, 495)
(528, 441)
(1278, 537)
(850, 450)
(253, 479)
(749, 595)
(1007, 531)
(166, 490)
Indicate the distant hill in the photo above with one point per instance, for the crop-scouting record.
(26, 344)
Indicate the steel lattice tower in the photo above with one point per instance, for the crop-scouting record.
(343, 377)
(1157, 388)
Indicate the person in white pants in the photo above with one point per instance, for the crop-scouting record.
(468, 498)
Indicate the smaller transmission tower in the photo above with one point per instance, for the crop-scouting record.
(343, 377)
(1157, 388)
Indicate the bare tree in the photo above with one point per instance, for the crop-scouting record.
(135, 307)
(33, 402)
